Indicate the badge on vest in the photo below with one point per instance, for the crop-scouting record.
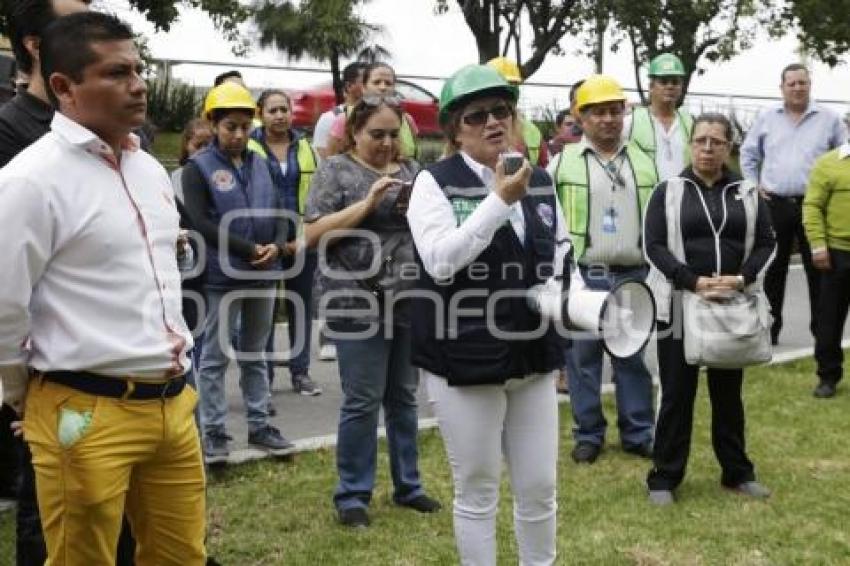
(546, 214)
(223, 180)
(609, 220)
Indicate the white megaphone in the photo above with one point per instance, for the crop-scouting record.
(623, 318)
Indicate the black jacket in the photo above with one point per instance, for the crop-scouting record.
(23, 120)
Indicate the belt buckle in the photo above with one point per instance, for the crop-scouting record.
(167, 387)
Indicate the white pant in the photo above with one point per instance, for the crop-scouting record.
(480, 423)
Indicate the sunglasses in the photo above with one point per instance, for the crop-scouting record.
(479, 117)
(378, 99)
(665, 81)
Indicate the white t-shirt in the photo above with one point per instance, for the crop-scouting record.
(322, 131)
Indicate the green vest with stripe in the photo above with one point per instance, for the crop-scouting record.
(306, 167)
(533, 139)
(571, 181)
(642, 131)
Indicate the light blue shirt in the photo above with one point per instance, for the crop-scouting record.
(778, 154)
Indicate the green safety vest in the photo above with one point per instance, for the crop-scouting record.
(642, 131)
(409, 149)
(306, 166)
(571, 181)
(532, 138)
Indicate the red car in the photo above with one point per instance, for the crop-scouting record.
(308, 105)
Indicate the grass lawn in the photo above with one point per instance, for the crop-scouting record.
(281, 512)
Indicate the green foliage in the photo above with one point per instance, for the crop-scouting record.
(692, 29)
(821, 25)
(171, 104)
(322, 29)
(496, 27)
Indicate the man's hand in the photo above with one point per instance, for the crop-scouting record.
(15, 380)
(763, 192)
(821, 259)
(718, 287)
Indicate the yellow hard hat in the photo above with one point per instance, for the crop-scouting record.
(229, 96)
(507, 68)
(598, 89)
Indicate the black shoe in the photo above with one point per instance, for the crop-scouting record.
(643, 450)
(271, 440)
(824, 390)
(585, 453)
(423, 504)
(216, 450)
(354, 517)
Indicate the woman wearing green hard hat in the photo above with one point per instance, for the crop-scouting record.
(484, 236)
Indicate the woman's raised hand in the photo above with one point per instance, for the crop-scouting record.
(379, 189)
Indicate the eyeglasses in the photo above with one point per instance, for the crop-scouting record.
(379, 135)
(378, 99)
(709, 143)
(479, 117)
(665, 81)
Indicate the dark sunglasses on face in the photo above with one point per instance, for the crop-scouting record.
(479, 117)
(380, 135)
(665, 81)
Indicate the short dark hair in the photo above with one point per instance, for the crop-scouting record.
(66, 44)
(352, 72)
(377, 65)
(219, 114)
(232, 74)
(28, 17)
(790, 68)
(714, 118)
(561, 116)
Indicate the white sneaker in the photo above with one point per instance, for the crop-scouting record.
(327, 353)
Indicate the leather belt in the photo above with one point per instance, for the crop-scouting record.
(119, 388)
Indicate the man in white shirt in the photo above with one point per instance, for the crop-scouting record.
(663, 129)
(91, 331)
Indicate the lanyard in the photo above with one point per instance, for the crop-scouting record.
(613, 174)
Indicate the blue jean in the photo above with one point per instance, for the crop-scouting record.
(300, 327)
(633, 383)
(376, 371)
(255, 314)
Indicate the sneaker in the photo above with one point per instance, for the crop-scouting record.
(661, 497)
(642, 450)
(751, 489)
(301, 383)
(824, 390)
(354, 517)
(585, 453)
(423, 504)
(327, 353)
(270, 439)
(215, 447)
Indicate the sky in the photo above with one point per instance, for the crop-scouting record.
(423, 43)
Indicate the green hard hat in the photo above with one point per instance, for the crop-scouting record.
(470, 81)
(666, 65)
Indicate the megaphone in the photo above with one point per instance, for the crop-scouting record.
(623, 318)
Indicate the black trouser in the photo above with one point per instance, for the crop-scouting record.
(30, 547)
(832, 313)
(786, 214)
(676, 416)
(9, 474)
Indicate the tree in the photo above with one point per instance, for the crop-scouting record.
(488, 19)
(321, 29)
(691, 29)
(227, 15)
(820, 25)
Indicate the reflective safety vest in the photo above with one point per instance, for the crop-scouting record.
(409, 149)
(642, 131)
(533, 139)
(571, 181)
(306, 167)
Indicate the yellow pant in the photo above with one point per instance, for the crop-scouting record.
(144, 456)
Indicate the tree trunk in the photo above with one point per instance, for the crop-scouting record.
(335, 73)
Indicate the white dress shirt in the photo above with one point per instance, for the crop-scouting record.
(444, 247)
(89, 275)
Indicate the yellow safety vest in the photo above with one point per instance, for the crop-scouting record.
(571, 181)
(642, 131)
(532, 138)
(306, 166)
(409, 149)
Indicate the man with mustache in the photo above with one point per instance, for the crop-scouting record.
(603, 185)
